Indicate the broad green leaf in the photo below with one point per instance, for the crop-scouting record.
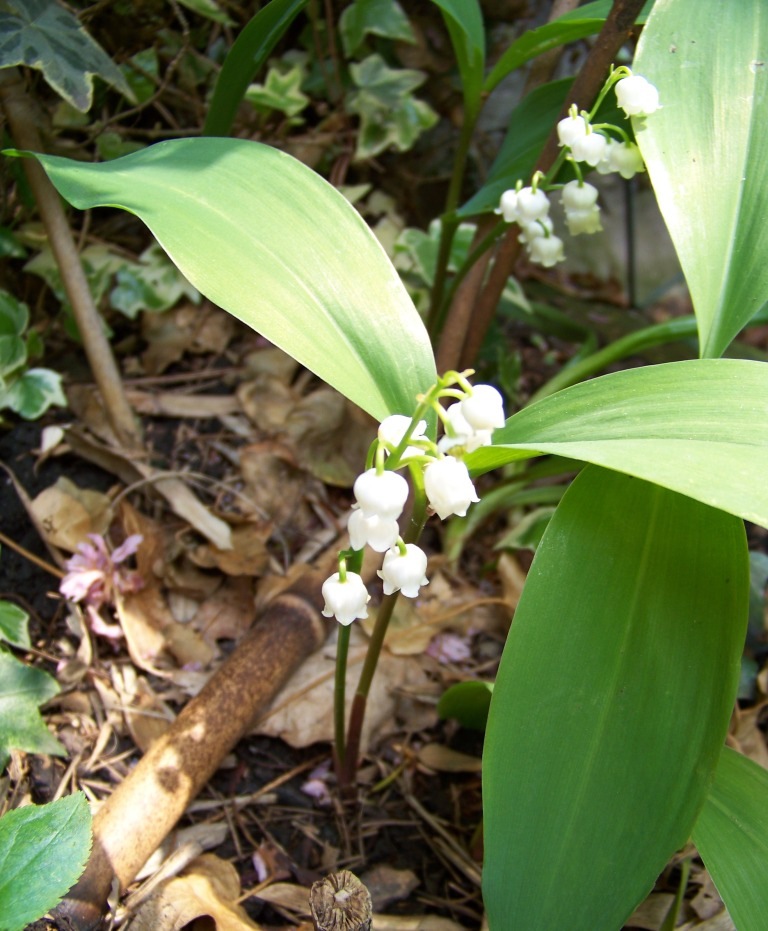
(707, 153)
(464, 21)
(245, 59)
(42, 34)
(43, 851)
(375, 17)
(269, 240)
(731, 834)
(22, 689)
(32, 393)
(699, 427)
(468, 703)
(586, 20)
(390, 116)
(13, 625)
(611, 703)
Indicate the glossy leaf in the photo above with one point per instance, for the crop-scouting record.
(699, 427)
(22, 689)
(248, 55)
(13, 625)
(269, 240)
(586, 20)
(731, 834)
(464, 21)
(611, 703)
(707, 153)
(43, 851)
(42, 34)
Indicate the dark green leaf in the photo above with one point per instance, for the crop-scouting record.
(42, 34)
(247, 56)
(13, 625)
(464, 21)
(611, 703)
(467, 703)
(375, 17)
(731, 834)
(43, 851)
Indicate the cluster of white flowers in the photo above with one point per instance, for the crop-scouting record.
(585, 144)
(381, 493)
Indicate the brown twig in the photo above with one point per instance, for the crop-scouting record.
(146, 806)
(102, 362)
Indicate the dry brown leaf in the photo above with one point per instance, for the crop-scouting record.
(445, 760)
(186, 328)
(719, 922)
(746, 736)
(68, 513)
(209, 887)
(228, 613)
(275, 486)
(289, 896)
(414, 923)
(172, 404)
(267, 403)
(247, 555)
(147, 716)
(302, 713)
(650, 914)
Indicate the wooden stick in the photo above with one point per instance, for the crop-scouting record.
(145, 807)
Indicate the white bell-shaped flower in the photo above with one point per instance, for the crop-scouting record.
(570, 129)
(508, 206)
(575, 196)
(546, 251)
(393, 428)
(404, 571)
(462, 433)
(590, 148)
(381, 494)
(345, 600)
(583, 221)
(484, 408)
(380, 533)
(531, 205)
(637, 96)
(449, 487)
(625, 158)
(530, 231)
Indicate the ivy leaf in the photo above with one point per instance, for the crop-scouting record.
(33, 393)
(43, 851)
(389, 114)
(13, 625)
(209, 9)
(281, 91)
(378, 17)
(41, 34)
(22, 689)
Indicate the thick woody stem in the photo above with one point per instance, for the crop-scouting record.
(102, 362)
(144, 808)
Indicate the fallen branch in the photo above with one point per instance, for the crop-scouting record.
(146, 806)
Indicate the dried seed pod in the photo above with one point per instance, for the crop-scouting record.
(340, 902)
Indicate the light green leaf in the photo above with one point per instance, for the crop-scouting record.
(281, 91)
(586, 20)
(699, 427)
(43, 851)
(611, 703)
(390, 116)
(269, 240)
(375, 17)
(42, 34)
(245, 59)
(22, 689)
(154, 284)
(32, 393)
(731, 834)
(464, 21)
(13, 625)
(209, 9)
(707, 153)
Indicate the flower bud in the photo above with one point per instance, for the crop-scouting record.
(404, 571)
(483, 409)
(637, 96)
(345, 600)
(449, 487)
(381, 494)
(508, 206)
(531, 205)
(575, 196)
(462, 433)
